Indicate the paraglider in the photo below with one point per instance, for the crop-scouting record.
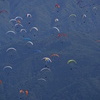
(56, 20)
(94, 8)
(18, 21)
(42, 79)
(71, 61)
(7, 67)
(57, 29)
(19, 25)
(26, 92)
(29, 42)
(47, 59)
(12, 20)
(45, 68)
(34, 28)
(57, 5)
(55, 55)
(10, 32)
(72, 15)
(28, 39)
(29, 15)
(84, 15)
(11, 49)
(18, 17)
(21, 91)
(23, 30)
(62, 35)
(0, 81)
(1, 11)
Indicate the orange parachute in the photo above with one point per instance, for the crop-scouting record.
(21, 91)
(26, 92)
(18, 21)
(55, 55)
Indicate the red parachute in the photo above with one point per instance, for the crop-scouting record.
(62, 35)
(57, 6)
(1, 11)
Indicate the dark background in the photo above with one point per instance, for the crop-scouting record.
(79, 81)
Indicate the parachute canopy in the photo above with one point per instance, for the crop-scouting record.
(55, 55)
(42, 79)
(62, 35)
(34, 28)
(18, 17)
(45, 69)
(23, 30)
(29, 15)
(29, 42)
(47, 59)
(56, 29)
(7, 67)
(71, 61)
(10, 32)
(72, 15)
(11, 49)
(1, 11)
(57, 5)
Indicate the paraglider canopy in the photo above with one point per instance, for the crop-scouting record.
(57, 5)
(71, 61)
(0, 81)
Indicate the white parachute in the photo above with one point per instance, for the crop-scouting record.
(56, 29)
(23, 30)
(19, 25)
(45, 69)
(11, 49)
(42, 79)
(7, 67)
(29, 15)
(18, 17)
(29, 42)
(34, 28)
(10, 32)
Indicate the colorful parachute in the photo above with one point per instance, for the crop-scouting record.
(7, 67)
(57, 5)
(47, 59)
(71, 61)
(55, 55)
(18, 21)
(11, 49)
(21, 91)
